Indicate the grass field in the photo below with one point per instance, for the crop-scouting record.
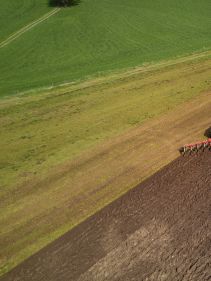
(47, 183)
(15, 14)
(96, 36)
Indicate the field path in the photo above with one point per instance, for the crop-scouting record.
(27, 27)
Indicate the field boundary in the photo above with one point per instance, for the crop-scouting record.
(28, 27)
(110, 76)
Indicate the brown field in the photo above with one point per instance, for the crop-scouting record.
(157, 231)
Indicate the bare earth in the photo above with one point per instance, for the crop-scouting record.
(157, 231)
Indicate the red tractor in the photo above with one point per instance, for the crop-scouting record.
(195, 147)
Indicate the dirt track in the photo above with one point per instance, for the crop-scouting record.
(157, 231)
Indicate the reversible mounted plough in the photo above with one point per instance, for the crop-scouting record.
(198, 146)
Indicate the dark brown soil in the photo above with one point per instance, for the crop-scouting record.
(157, 231)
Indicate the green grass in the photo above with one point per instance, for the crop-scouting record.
(41, 131)
(97, 36)
(14, 14)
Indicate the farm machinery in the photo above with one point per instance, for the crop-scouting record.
(198, 146)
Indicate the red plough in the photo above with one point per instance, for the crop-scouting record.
(195, 147)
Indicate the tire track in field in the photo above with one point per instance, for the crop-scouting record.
(26, 28)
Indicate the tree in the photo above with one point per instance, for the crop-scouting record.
(63, 3)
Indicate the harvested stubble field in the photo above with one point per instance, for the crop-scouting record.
(157, 231)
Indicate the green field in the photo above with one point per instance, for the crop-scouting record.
(15, 14)
(94, 37)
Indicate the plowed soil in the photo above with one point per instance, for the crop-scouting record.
(157, 231)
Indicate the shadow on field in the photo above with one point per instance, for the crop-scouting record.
(63, 3)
